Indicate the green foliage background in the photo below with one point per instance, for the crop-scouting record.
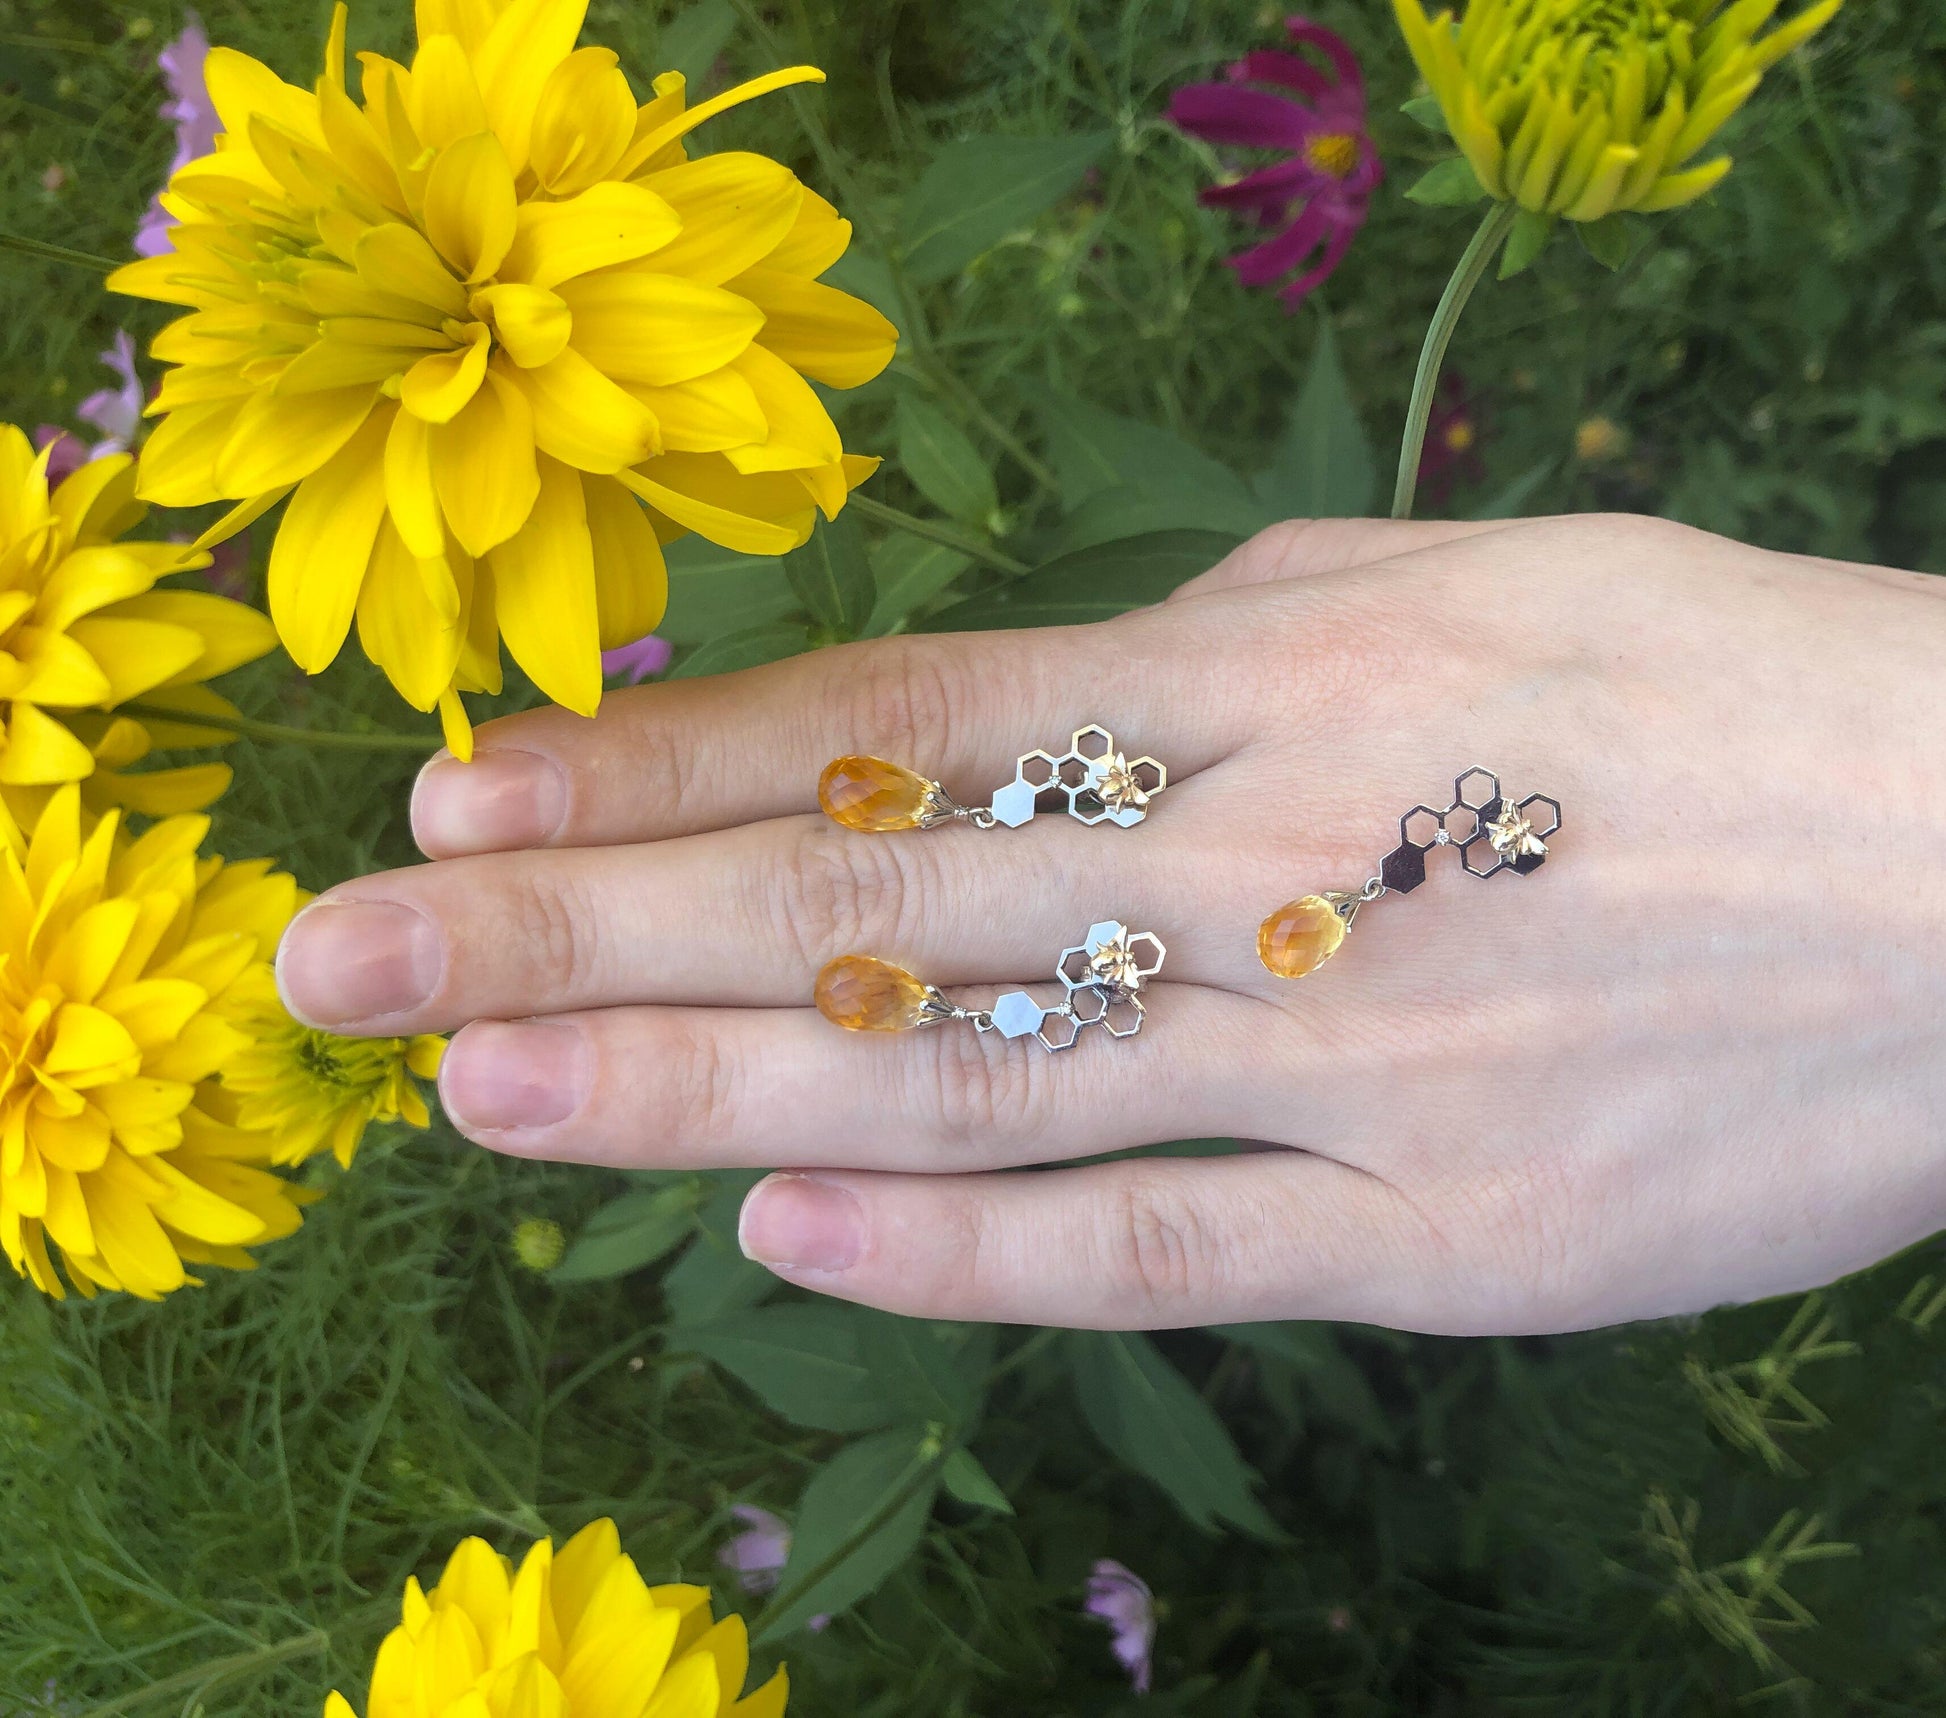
(211, 1503)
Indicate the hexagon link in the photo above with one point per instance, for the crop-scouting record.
(1091, 781)
(1492, 832)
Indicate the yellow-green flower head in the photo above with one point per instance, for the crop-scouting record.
(118, 960)
(503, 338)
(312, 1091)
(579, 1635)
(1585, 108)
(539, 1244)
(82, 630)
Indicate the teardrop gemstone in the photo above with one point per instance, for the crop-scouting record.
(1300, 937)
(864, 994)
(872, 795)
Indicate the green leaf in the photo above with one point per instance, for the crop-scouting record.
(1332, 1380)
(1147, 1414)
(630, 1232)
(1091, 584)
(1525, 242)
(964, 1478)
(1139, 510)
(861, 1517)
(832, 576)
(911, 573)
(805, 1362)
(1425, 110)
(981, 189)
(935, 1372)
(1608, 240)
(1511, 500)
(1324, 467)
(1093, 449)
(693, 39)
(750, 648)
(945, 467)
(713, 1279)
(1448, 185)
(715, 591)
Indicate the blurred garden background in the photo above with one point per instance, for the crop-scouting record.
(210, 1504)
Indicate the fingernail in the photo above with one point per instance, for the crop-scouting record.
(346, 961)
(503, 1075)
(796, 1223)
(498, 802)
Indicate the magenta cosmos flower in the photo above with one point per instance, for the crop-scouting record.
(1318, 195)
(646, 656)
(1121, 1598)
(194, 116)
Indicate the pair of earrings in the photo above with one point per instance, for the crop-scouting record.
(1094, 782)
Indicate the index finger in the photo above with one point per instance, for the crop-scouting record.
(690, 756)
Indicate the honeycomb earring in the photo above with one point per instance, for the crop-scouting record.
(1102, 977)
(1092, 780)
(1492, 832)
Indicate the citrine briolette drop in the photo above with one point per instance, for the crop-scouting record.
(1300, 936)
(864, 994)
(872, 795)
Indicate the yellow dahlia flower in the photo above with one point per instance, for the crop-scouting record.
(503, 338)
(580, 1635)
(313, 1091)
(1586, 108)
(82, 630)
(117, 960)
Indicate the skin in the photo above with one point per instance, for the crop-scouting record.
(1699, 1056)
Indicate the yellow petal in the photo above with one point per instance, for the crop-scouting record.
(544, 593)
(706, 414)
(531, 322)
(470, 205)
(409, 494)
(631, 579)
(746, 534)
(407, 623)
(98, 501)
(767, 1702)
(827, 334)
(527, 41)
(483, 466)
(455, 729)
(583, 121)
(584, 419)
(231, 633)
(240, 87)
(1674, 189)
(439, 387)
(135, 655)
(735, 209)
(318, 560)
(801, 430)
(659, 328)
(178, 465)
(278, 440)
(646, 147)
(816, 240)
(396, 260)
(39, 752)
(605, 225)
(443, 96)
(131, 1242)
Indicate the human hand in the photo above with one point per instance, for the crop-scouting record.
(1700, 1056)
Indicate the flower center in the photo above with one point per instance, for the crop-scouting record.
(1333, 152)
(317, 1055)
(1459, 436)
(1583, 43)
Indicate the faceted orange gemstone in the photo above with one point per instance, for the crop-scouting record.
(863, 994)
(872, 795)
(1300, 937)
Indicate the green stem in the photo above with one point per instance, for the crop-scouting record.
(974, 547)
(56, 253)
(1466, 275)
(323, 739)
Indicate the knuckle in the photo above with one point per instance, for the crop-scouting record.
(1161, 1250)
(981, 1093)
(550, 926)
(904, 694)
(830, 891)
(704, 1092)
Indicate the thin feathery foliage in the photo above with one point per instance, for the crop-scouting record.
(213, 1502)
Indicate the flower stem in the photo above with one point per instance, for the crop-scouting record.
(200, 1678)
(1466, 275)
(974, 547)
(56, 253)
(323, 739)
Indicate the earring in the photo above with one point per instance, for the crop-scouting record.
(1492, 832)
(1102, 976)
(1091, 781)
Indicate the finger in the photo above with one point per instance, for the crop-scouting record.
(722, 1088)
(1300, 548)
(1142, 1244)
(746, 917)
(695, 755)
